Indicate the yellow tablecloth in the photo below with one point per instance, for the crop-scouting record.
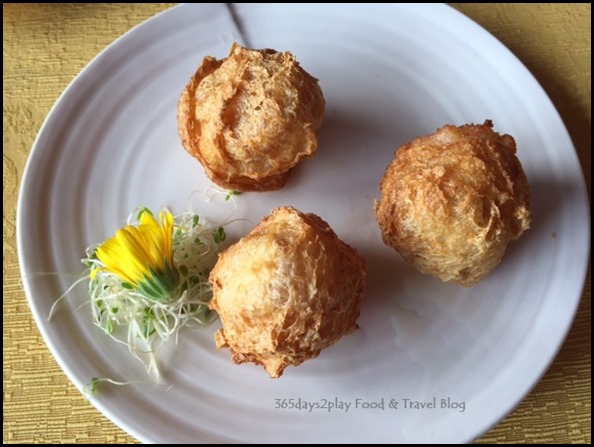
(45, 46)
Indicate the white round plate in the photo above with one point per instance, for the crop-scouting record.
(454, 361)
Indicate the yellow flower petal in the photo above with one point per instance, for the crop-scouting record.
(142, 254)
(153, 244)
(167, 228)
(117, 257)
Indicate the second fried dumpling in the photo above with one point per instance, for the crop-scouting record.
(287, 290)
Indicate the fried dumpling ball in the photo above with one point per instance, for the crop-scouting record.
(287, 290)
(451, 201)
(250, 118)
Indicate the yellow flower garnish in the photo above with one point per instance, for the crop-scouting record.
(142, 256)
(151, 280)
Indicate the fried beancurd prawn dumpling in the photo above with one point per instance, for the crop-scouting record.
(250, 118)
(287, 290)
(451, 201)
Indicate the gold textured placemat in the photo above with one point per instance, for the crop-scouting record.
(45, 46)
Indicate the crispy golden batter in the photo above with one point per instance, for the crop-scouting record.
(250, 118)
(451, 201)
(287, 290)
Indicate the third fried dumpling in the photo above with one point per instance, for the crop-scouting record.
(451, 201)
